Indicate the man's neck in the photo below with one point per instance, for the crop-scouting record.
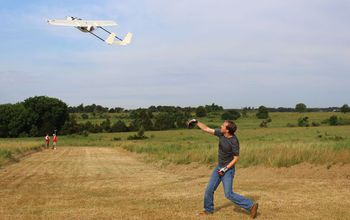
(227, 135)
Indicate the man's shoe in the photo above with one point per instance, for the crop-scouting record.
(254, 210)
(204, 213)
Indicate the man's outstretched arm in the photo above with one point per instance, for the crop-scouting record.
(205, 128)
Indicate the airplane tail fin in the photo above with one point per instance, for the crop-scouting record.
(111, 39)
(127, 39)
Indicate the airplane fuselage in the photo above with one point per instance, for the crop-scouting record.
(86, 29)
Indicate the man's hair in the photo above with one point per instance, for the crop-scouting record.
(231, 127)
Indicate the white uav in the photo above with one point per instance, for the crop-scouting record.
(90, 25)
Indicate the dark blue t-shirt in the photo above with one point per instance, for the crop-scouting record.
(228, 147)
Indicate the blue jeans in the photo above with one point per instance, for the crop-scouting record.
(227, 181)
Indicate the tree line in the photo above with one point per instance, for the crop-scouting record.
(37, 116)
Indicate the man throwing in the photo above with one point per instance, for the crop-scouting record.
(224, 172)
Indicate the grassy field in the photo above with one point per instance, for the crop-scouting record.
(278, 119)
(12, 149)
(271, 147)
(106, 176)
(109, 183)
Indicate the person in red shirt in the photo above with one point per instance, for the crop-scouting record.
(47, 141)
(54, 141)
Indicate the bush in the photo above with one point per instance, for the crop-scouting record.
(106, 125)
(264, 123)
(303, 122)
(315, 124)
(164, 121)
(345, 108)
(201, 112)
(230, 115)
(333, 120)
(136, 137)
(262, 113)
(85, 116)
(119, 126)
(139, 136)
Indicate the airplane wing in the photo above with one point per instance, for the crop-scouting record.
(82, 23)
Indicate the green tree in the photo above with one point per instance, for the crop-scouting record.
(46, 113)
(71, 126)
(141, 117)
(230, 115)
(244, 112)
(213, 108)
(201, 112)
(106, 125)
(164, 121)
(181, 119)
(345, 108)
(119, 126)
(262, 113)
(84, 116)
(300, 107)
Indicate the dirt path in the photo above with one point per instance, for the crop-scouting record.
(106, 183)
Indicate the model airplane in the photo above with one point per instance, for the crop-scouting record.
(90, 25)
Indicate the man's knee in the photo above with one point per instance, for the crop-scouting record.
(229, 194)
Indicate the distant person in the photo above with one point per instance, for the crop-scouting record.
(54, 141)
(225, 171)
(47, 141)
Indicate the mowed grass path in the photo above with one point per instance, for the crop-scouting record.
(109, 183)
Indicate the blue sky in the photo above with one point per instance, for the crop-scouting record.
(234, 53)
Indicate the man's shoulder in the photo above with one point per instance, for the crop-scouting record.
(235, 140)
(217, 132)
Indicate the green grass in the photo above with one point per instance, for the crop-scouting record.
(276, 146)
(278, 119)
(13, 148)
(272, 147)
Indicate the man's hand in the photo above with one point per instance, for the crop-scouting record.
(222, 171)
(192, 123)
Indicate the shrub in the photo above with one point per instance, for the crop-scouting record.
(85, 116)
(264, 123)
(345, 108)
(315, 124)
(201, 112)
(333, 120)
(119, 126)
(262, 113)
(230, 115)
(303, 122)
(139, 136)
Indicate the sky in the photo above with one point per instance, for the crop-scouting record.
(184, 53)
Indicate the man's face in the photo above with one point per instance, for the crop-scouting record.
(223, 128)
